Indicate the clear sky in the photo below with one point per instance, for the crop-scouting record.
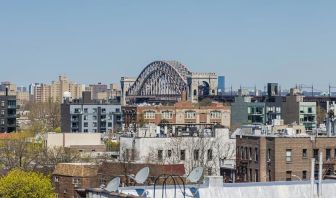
(250, 42)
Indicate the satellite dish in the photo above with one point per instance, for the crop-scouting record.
(141, 176)
(113, 185)
(195, 175)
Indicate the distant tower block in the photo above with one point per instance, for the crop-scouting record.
(272, 89)
(202, 84)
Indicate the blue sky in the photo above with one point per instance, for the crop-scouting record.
(250, 42)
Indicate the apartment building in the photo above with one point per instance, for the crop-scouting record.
(7, 112)
(67, 177)
(281, 153)
(246, 111)
(75, 179)
(87, 115)
(183, 112)
(294, 109)
(199, 145)
(55, 91)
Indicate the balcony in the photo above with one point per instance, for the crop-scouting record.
(11, 106)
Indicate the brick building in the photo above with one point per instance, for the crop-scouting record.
(283, 154)
(72, 179)
(67, 177)
(182, 112)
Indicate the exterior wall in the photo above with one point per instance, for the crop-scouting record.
(90, 117)
(290, 110)
(136, 114)
(147, 149)
(276, 163)
(73, 139)
(66, 188)
(7, 114)
(294, 110)
(241, 115)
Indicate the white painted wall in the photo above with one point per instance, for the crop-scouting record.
(73, 139)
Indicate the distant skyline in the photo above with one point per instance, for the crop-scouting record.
(249, 42)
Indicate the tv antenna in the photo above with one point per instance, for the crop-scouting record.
(195, 175)
(113, 185)
(141, 176)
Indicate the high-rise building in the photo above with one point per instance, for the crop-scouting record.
(9, 86)
(97, 88)
(7, 112)
(221, 85)
(55, 91)
(273, 89)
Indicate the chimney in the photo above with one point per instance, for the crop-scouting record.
(184, 96)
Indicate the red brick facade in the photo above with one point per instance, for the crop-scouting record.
(180, 113)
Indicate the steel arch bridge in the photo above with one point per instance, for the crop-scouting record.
(161, 78)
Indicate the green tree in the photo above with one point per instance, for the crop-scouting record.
(21, 184)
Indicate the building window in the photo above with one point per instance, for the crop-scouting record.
(56, 179)
(167, 115)
(94, 117)
(209, 171)
(288, 175)
(85, 110)
(94, 110)
(269, 155)
(109, 124)
(94, 124)
(269, 175)
(288, 155)
(75, 181)
(169, 153)
(182, 155)
(215, 114)
(85, 117)
(209, 154)
(251, 175)
(2, 112)
(86, 124)
(310, 110)
(103, 110)
(2, 103)
(304, 175)
(256, 157)
(2, 122)
(149, 115)
(250, 153)
(315, 153)
(196, 154)
(257, 175)
(77, 110)
(160, 154)
(328, 152)
(190, 114)
(86, 130)
(304, 153)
